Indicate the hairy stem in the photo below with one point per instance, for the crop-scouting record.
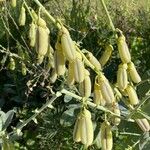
(128, 133)
(108, 16)
(78, 98)
(37, 112)
(53, 20)
(5, 51)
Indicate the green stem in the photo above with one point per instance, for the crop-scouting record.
(85, 59)
(143, 81)
(3, 50)
(28, 9)
(108, 16)
(18, 31)
(136, 109)
(37, 112)
(78, 98)
(142, 102)
(58, 24)
(47, 13)
(87, 62)
(128, 133)
(137, 142)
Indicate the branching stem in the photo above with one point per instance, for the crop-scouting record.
(53, 20)
(78, 98)
(108, 16)
(37, 112)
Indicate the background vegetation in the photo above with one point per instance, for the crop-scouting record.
(88, 25)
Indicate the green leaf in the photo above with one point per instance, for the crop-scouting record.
(35, 120)
(8, 118)
(50, 106)
(18, 131)
(67, 118)
(30, 142)
(144, 142)
(67, 98)
(2, 119)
